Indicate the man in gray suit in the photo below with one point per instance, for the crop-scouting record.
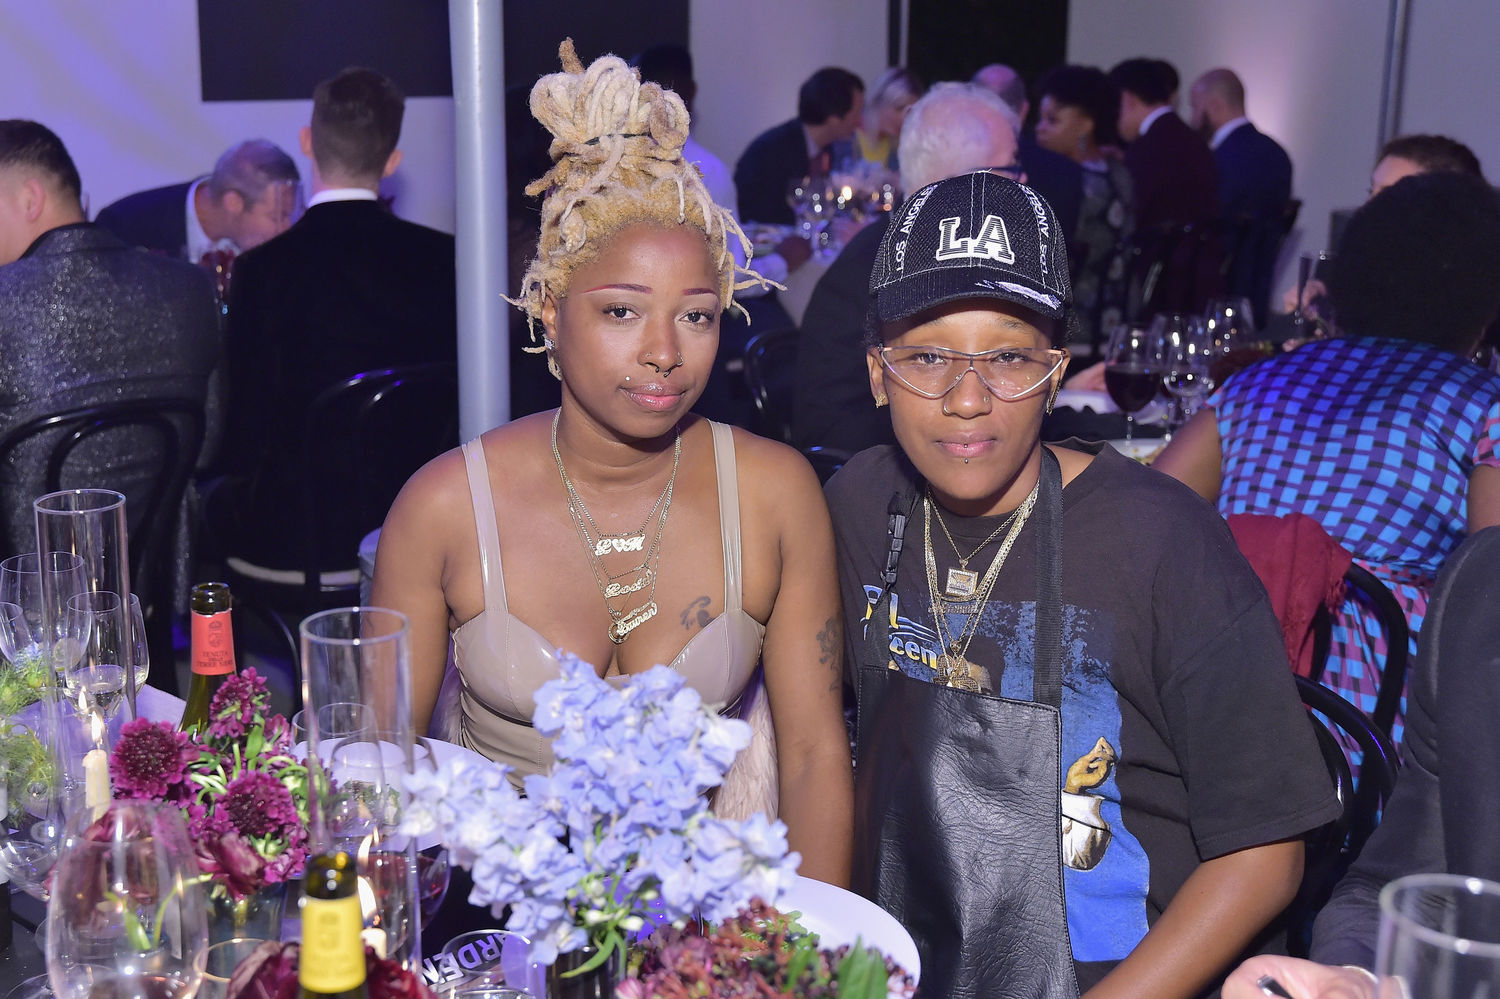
(84, 320)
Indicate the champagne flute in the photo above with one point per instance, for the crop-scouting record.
(1439, 936)
(1132, 370)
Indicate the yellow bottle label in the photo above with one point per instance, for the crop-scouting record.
(333, 956)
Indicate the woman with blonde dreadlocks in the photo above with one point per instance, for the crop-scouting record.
(622, 527)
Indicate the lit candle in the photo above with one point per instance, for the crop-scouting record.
(373, 936)
(96, 780)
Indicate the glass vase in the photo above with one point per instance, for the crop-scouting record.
(565, 981)
(256, 916)
(361, 656)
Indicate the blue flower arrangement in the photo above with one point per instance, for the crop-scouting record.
(619, 834)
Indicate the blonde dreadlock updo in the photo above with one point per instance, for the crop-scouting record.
(617, 160)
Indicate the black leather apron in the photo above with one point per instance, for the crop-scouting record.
(957, 801)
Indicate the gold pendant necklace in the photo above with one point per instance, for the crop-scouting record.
(962, 582)
(598, 544)
(954, 667)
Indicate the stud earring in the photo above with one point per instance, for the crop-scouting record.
(881, 400)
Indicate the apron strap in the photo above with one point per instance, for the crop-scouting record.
(1046, 677)
(876, 648)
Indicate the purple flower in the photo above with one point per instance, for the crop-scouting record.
(238, 703)
(151, 760)
(259, 805)
(230, 859)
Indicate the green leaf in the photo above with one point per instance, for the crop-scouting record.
(255, 743)
(606, 947)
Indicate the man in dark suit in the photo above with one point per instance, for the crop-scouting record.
(247, 199)
(1174, 183)
(347, 289)
(954, 128)
(84, 320)
(1255, 181)
(829, 107)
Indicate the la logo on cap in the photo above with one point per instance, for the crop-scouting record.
(992, 243)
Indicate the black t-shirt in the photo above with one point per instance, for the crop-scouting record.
(1171, 655)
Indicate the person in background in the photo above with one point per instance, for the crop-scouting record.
(1255, 183)
(954, 128)
(85, 320)
(1175, 180)
(830, 105)
(1387, 435)
(876, 140)
(1401, 157)
(1077, 117)
(249, 197)
(1054, 176)
(1069, 776)
(349, 288)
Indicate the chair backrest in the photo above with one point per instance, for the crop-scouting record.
(825, 460)
(364, 437)
(1392, 618)
(770, 369)
(144, 448)
(1172, 268)
(1332, 848)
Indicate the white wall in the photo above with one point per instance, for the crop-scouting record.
(118, 81)
(1451, 85)
(750, 58)
(1312, 74)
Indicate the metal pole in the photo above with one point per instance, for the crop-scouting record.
(1394, 80)
(476, 29)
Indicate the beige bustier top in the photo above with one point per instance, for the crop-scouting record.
(501, 660)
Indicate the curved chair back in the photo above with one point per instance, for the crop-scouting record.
(363, 438)
(1331, 849)
(144, 448)
(770, 367)
(1392, 672)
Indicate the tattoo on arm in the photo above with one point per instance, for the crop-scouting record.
(696, 615)
(830, 643)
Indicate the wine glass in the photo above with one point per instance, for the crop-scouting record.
(41, 587)
(1439, 936)
(1187, 354)
(1132, 370)
(126, 919)
(809, 200)
(489, 964)
(142, 657)
(100, 623)
(32, 819)
(1231, 328)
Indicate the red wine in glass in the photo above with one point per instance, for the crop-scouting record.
(1131, 386)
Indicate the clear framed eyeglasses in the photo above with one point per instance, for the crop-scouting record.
(1010, 373)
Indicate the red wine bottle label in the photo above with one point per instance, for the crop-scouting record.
(213, 644)
(333, 956)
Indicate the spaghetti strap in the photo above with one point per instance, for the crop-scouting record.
(729, 514)
(484, 523)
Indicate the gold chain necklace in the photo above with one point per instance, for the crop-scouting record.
(963, 582)
(598, 544)
(954, 668)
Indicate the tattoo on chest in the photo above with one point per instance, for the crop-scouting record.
(696, 615)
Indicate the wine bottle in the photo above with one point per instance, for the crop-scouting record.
(212, 651)
(332, 963)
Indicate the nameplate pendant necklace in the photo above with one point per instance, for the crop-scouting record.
(614, 586)
(962, 583)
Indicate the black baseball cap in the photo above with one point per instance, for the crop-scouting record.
(977, 235)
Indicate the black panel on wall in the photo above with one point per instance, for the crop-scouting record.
(267, 50)
(254, 50)
(951, 39)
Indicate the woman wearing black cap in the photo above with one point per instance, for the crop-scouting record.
(1082, 764)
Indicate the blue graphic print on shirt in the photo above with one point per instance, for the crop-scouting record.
(1106, 871)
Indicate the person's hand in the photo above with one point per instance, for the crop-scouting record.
(1312, 291)
(1303, 979)
(1090, 379)
(795, 251)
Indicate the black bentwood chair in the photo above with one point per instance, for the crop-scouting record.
(1370, 590)
(145, 449)
(1332, 848)
(770, 370)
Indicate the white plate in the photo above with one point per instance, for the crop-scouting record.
(1081, 399)
(838, 917)
(1140, 448)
